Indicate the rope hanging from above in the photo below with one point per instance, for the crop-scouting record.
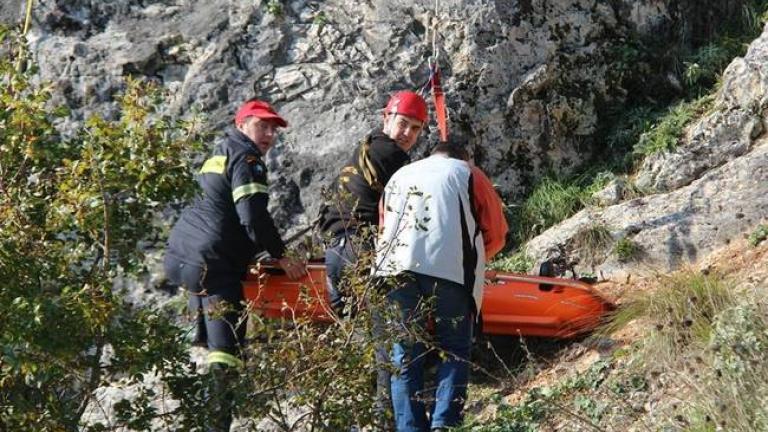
(434, 84)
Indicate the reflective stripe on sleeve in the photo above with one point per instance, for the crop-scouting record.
(224, 358)
(214, 165)
(248, 189)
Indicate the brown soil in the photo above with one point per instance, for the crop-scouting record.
(745, 266)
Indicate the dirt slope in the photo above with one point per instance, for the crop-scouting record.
(549, 365)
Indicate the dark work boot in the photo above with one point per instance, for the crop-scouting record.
(221, 398)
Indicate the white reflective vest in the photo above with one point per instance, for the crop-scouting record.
(429, 225)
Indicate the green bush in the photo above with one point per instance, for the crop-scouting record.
(76, 215)
(541, 403)
(518, 262)
(734, 381)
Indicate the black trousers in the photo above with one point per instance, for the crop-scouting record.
(219, 297)
(339, 255)
(344, 252)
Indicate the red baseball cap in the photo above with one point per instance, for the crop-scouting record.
(258, 109)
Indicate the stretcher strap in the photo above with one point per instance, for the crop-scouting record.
(439, 99)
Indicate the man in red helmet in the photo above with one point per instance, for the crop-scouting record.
(352, 212)
(357, 189)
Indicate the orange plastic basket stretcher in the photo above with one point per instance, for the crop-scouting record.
(513, 304)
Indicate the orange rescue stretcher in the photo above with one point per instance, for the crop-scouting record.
(513, 304)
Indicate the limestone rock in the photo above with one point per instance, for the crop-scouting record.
(525, 81)
(726, 133)
(711, 189)
(671, 229)
(611, 194)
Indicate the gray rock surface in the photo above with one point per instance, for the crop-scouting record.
(726, 133)
(525, 79)
(671, 229)
(613, 193)
(711, 189)
(11, 12)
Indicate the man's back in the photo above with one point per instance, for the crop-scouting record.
(209, 232)
(428, 224)
(363, 177)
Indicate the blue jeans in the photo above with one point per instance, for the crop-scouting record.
(449, 304)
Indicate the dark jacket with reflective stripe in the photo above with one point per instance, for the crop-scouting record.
(229, 222)
(357, 189)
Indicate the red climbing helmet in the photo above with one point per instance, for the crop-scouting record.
(409, 104)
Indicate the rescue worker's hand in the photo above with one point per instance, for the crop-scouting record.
(292, 267)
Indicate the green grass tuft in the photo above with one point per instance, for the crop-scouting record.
(554, 200)
(759, 235)
(592, 243)
(681, 311)
(626, 249)
(665, 135)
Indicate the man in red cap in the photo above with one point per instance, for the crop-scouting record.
(216, 237)
(353, 207)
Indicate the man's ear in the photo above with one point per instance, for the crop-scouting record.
(243, 122)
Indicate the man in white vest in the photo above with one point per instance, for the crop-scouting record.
(432, 242)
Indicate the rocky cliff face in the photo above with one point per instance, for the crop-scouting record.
(710, 190)
(527, 83)
(526, 80)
